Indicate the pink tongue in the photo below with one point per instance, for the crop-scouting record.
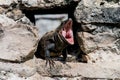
(71, 41)
(68, 36)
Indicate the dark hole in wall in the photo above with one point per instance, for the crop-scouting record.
(68, 9)
(115, 1)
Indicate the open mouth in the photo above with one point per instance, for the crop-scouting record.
(67, 31)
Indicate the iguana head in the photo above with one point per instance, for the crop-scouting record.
(66, 31)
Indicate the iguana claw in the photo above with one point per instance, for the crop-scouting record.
(51, 62)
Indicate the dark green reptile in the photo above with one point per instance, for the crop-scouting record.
(52, 43)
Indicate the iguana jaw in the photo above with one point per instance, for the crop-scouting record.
(67, 32)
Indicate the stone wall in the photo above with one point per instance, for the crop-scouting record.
(100, 21)
(96, 30)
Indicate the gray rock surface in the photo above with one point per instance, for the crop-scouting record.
(19, 42)
(80, 70)
(100, 38)
(25, 69)
(15, 14)
(96, 11)
(7, 2)
(5, 21)
(46, 3)
(36, 70)
(102, 47)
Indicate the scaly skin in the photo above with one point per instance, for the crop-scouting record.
(53, 43)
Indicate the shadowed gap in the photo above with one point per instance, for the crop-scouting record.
(68, 9)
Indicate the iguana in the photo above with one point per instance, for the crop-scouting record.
(52, 43)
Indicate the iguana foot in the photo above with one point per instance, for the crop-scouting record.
(61, 59)
(50, 62)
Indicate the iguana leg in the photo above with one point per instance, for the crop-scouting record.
(47, 55)
(64, 54)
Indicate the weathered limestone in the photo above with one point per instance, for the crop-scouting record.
(97, 11)
(15, 14)
(46, 3)
(25, 69)
(102, 47)
(19, 42)
(7, 2)
(100, 38)
(80, 70)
